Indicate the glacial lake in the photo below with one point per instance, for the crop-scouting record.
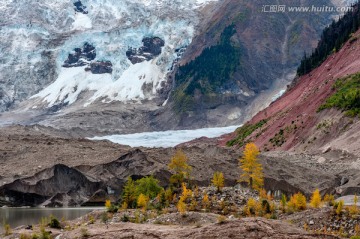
(31, 216)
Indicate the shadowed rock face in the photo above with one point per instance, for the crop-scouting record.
(150, 49)
(79, 7)
(100, 67)
(61, 184)
(84, 57)
(91, 185)
(87, 53)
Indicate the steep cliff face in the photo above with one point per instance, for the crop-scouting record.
(55, 186)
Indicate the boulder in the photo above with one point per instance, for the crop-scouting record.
(100, 67)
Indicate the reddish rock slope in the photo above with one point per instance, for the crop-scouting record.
(295, 113)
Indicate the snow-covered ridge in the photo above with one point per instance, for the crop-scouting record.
(111, 26)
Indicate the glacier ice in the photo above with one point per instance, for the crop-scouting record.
(169, 138)
(112, 26)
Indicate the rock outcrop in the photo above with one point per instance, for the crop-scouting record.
(55, 186)
(81, 57)
(79, 7)
(85, 56)
(150, 49)
(100, 67)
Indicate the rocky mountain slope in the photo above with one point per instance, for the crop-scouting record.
(242, 53)
(297, 122)
(105, 66)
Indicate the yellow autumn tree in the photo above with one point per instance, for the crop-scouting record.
(186, 193)
(353, 209)
(297, 202)
(253, 207)
(329, 198)
(181, 207)
(205, 201)
(316, 199)
(218, 180)
(142, 201)
(108, 204)
(252, 169)
(339, 207)
(180, 167)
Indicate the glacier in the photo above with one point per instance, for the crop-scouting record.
(112, 26)
(165, 139)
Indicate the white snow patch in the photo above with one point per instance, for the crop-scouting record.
(278, 95)
(82, 22)
(169, 138)
(201, 3)
(70, 83)
(129, 86)
(234, 115)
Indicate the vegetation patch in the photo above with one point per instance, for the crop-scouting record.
(346, 97)
(209, 72)
(244, 132)
(279, 139)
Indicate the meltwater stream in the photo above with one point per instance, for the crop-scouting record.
(169, 138)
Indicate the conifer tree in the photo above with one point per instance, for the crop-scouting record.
(205, 201)
(129, 193)
(142, 201)
(316, 199)
(218, 180)
(252, 169)
(179, 165)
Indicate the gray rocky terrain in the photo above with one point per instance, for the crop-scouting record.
(34, 159)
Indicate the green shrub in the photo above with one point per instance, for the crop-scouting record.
(125, 218)
(245, 131)
(25, 236)
(35, 236)
(346, 97)
(7, 229)
(149, 186)
(104, 217)
(54, 223)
